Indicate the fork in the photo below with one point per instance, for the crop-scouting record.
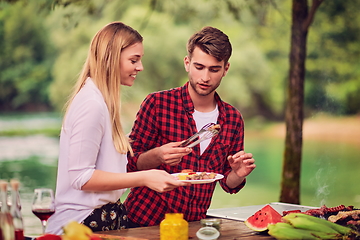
(209, 134)
(202, 130)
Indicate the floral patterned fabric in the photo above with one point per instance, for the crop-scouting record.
(111, 216)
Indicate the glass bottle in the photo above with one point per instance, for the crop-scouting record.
(15, 210)
(6, 222)
(208, 233)
(211, 222)
(174, 227)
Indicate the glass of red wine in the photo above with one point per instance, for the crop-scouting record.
(43, 205)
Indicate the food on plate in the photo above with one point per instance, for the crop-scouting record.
(354, 214)
(303, 226)
(325, 212)
(317, 223)
(201, 176)
(260, 220)
(347, 218)
(188, 174)
(340, 214)
(215, 127)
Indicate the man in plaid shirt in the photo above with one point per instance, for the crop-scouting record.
(167, 118)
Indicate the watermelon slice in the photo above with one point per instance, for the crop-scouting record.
(260, 220)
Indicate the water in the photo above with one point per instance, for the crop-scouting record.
(329, 170)
(32, 159)
(329, 176)
(45, 148)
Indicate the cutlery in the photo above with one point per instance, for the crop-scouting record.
(207, 132)
(207, 135)
(202, 130)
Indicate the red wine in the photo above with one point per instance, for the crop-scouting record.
(43, 214)
(19, 234)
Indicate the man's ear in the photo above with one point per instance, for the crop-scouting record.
(227, 66)
(187, 63)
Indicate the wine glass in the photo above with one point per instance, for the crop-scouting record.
(43, 205)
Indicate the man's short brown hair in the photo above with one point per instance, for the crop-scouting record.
(211, 41)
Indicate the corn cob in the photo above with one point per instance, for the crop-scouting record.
(318, 223)
(284, 231)
(322, 235)
(299, 221)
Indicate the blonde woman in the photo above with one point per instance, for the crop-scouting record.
(92, 161)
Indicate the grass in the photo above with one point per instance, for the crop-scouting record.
(330, 163)
(329, 168)
(50, 132)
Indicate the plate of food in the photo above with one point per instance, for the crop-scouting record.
(197, 177)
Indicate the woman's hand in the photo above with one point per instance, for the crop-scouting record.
(160, 181)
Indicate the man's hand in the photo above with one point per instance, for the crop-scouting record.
(171, 154)
(242, 165)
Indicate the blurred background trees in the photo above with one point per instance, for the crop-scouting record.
(26, 59)
(43, 44)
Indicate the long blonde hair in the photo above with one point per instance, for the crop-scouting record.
(103, 66)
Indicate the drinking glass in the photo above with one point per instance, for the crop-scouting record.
(43, 205)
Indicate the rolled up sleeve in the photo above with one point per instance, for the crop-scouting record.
(86, 133)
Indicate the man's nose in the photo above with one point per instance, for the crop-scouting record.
(206, 76)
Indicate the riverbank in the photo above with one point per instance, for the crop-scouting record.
(320, 127)
(329, 156)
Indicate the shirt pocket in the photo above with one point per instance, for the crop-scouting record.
(215, 160)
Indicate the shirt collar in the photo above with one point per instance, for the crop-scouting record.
(188, 104)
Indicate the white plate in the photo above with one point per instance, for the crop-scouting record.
(217, 177)
(243, 213)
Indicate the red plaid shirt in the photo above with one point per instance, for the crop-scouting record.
(165, 117)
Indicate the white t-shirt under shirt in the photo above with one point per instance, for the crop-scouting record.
(85, 145)
(203, 118)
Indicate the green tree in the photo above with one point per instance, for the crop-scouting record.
(263, 80)
(25, 60)
(259, 32)
(302, 18)
(333, 63)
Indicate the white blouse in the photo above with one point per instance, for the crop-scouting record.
(85, 145)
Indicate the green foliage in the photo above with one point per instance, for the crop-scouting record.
(31, 172)
(26, 58)
(259, 32)
(333, 74)
(51, 132)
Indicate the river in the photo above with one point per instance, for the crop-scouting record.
(329, 170)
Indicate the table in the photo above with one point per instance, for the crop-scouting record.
(232, 226)
(230, 230)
